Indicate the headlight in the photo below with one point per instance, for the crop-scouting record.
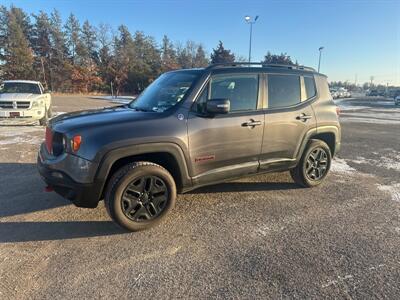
(36, 103)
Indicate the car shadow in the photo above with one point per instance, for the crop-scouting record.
(231, 187)
(15, 232)
(22, 191)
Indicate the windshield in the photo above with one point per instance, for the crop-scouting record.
(19, 87)
(164, 93)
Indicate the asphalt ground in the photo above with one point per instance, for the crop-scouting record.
(258, 237)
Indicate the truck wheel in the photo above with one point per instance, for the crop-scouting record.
(140, 195)
(43, 121)
(314, 164)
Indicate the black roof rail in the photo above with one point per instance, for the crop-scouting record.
(242, 64)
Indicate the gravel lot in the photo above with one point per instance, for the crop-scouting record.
(259, 237)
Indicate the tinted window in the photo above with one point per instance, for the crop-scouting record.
(283, 90)
(310, 87)
(241, 90)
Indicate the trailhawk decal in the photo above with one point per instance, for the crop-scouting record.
(204, 158)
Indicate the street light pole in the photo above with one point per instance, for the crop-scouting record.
(319, 60)
(249, 21)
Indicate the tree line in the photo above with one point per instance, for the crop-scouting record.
(80, 58)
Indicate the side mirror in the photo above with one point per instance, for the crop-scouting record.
(218, 106)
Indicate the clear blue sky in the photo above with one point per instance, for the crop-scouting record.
(360, 37)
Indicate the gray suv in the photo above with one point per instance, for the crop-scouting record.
(192, 128)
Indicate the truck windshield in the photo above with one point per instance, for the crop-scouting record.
(19, 87)
(165, 92)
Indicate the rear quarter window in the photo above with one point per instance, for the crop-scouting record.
(309, 85)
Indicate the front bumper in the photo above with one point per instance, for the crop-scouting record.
(7, 116)
(83, 193)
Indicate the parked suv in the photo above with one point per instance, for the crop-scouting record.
(24, 101)
(192, 128)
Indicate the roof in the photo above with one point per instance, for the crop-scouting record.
(22, 81)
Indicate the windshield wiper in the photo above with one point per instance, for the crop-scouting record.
(141, 109)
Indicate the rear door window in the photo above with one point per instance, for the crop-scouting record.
(283, 90)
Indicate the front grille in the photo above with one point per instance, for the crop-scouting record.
(19, 104)
(6, 104)
(23, 104)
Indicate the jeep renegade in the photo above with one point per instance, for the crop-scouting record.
(192, 128)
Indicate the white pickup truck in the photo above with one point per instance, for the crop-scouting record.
(23, 101)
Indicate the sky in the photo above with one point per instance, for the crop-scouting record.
(360, 38)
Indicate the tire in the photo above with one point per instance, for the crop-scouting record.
(43, 121)
(307, 174)
(129, 200)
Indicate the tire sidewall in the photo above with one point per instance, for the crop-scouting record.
(120, 186)
(312, 146)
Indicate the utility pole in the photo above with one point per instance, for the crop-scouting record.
(319, 60)
(249, 21)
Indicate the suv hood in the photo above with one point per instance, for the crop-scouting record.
(98, 117)
(18, 96)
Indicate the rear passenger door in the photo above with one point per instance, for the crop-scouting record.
(288, 117)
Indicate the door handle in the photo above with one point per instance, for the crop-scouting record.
(251, 123)
(303, 117)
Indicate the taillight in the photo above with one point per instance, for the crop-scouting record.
(76, 143)
(49, 140)
(338, 110)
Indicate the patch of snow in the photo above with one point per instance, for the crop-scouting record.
(368, 120)
(21, 134)
(393, 190)
(339, 165)
(390, 161)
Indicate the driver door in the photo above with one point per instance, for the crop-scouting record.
(226, 145)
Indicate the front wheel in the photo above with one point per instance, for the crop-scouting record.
(140, 195)
(47, 114)
(314, 165)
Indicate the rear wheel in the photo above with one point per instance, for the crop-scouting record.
(314, 165)
(140, 195)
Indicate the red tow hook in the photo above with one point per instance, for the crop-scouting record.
(48, 189)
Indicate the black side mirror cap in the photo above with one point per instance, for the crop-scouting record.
(218, 106)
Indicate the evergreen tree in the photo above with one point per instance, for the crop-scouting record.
(72, 30)
(42, 47)
(61, 67)
(200, 59)
(168, 55)
(18, 56)
(282, 58)
(222, 55)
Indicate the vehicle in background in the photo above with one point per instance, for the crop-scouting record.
(192, 128)
(24, 101)
(397, 100)
(343, 93)
(373, 93)
(334, 93)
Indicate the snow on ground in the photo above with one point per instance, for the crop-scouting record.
(119, 99)
(390, 161)
(393, 190)
(388, 114)
(33, 135)
(339, 165)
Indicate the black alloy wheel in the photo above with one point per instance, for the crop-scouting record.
(144, 198)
